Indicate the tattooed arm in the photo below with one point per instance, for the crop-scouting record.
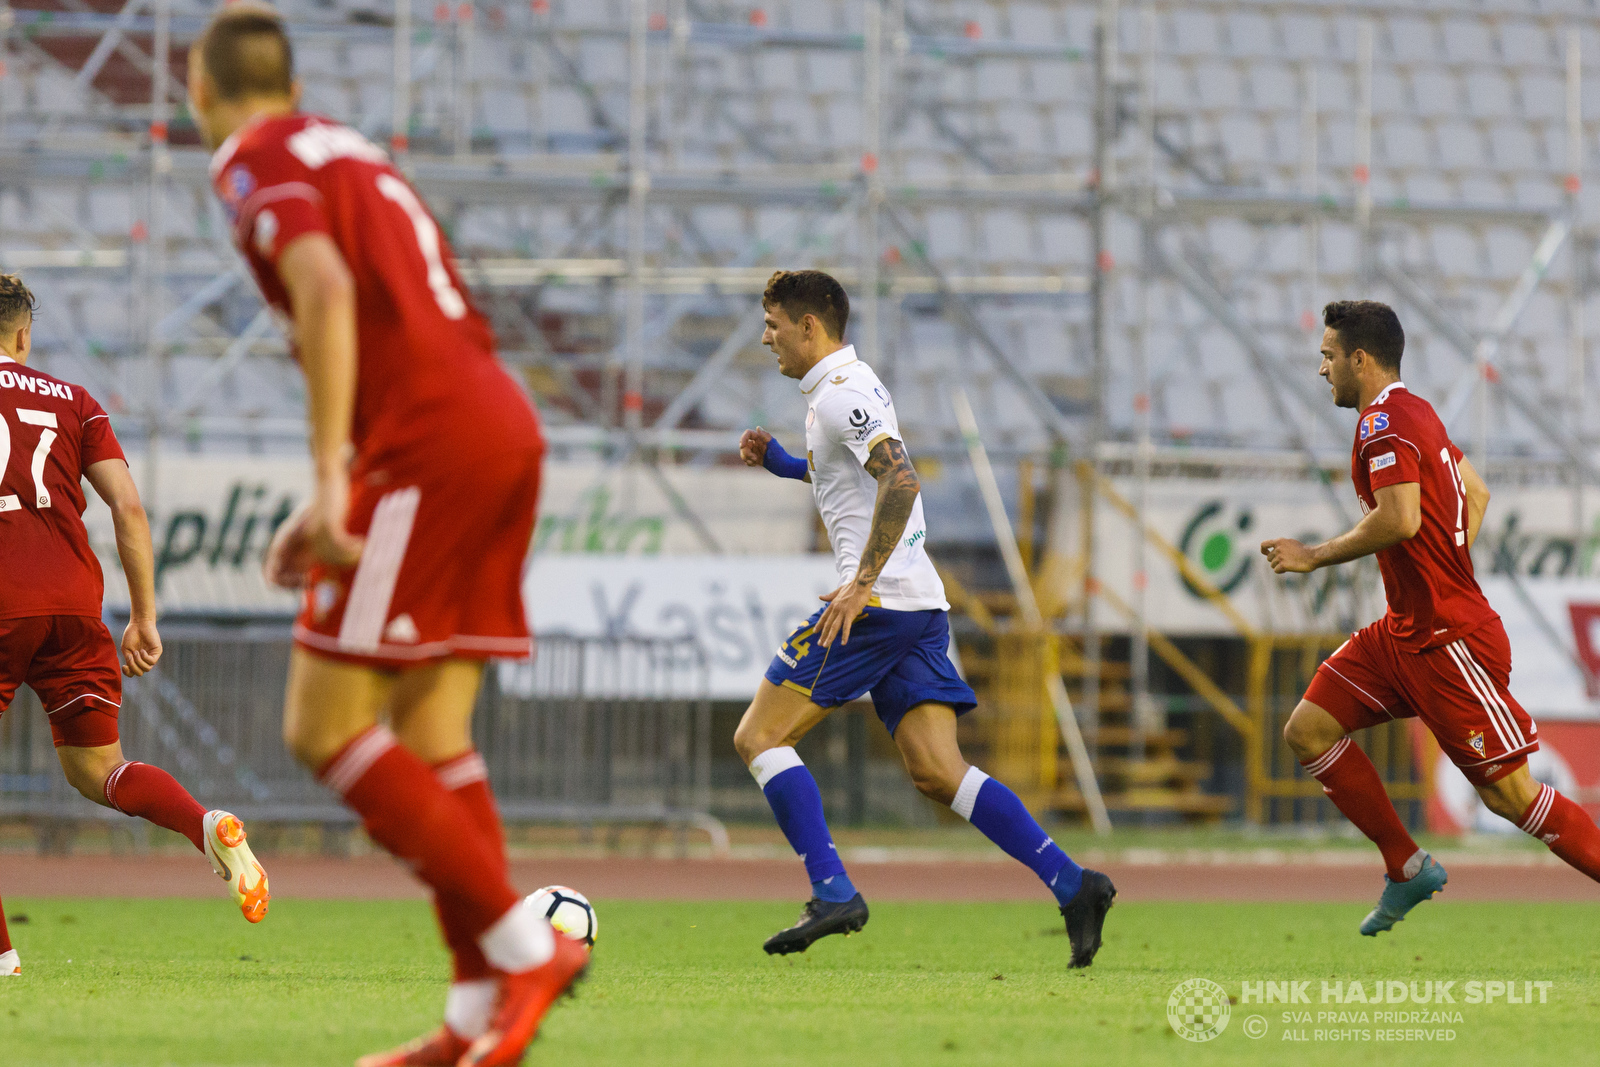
(898, 487)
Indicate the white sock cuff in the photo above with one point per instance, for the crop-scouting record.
(519, 940)
(967, 793)
(462, 771)
(773, 762)
(111, 784)
(1318, 766)
(1538, 811)
(469, 1007)
(357, 758)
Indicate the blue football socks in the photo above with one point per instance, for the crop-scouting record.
(835, 890)
(999, 814)
(797, 804)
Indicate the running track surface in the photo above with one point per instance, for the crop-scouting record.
(622, 878)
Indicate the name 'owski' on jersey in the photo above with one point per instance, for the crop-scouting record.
(1433, 595)
(51, 432)
(427, 380)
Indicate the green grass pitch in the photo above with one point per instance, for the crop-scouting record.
(141, 982)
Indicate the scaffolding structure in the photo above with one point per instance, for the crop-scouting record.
(1115, 221)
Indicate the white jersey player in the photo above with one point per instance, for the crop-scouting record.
(891, 622)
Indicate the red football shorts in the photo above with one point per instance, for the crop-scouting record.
(1460, 691)
(441, 573)
(71, 663)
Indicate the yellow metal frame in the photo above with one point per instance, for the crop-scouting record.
(1025, 736)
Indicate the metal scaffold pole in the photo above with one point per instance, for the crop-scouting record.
(1362, 173)
(1104, 128)
(871, 148)
(638, 189)
(155, 266)
(1577, 377)
(400, 112)
(1144, 714)
(1028, 607)
(1312, 234)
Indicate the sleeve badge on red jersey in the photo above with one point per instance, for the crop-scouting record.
(237, 184)
(1377, 422)
(1380, 462)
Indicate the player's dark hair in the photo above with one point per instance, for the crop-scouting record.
(246, 51)
(1370, 326)
(809, 292)
(16, 300)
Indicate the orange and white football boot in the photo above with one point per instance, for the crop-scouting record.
(235, 864)
(525, 997)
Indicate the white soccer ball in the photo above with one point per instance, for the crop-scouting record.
(568, 910)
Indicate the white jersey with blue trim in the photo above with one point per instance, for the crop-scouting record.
(850, 412)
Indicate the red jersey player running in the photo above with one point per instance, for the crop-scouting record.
(410, 553)
(52, 436)
(1440, 653)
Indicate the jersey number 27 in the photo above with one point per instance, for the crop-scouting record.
(47, 437)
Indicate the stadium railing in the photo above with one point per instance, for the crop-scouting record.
(595, 731)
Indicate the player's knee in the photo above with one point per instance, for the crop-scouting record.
(750, 739)
(306, 744)
(1309, 738)
(936, 786)
(88, 778)
(935, 781)
(1503, 800)
(1498, 804)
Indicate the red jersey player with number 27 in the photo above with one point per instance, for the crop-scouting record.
(410, 553)
(53, 436)
(1440, 653)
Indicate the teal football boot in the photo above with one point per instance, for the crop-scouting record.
(1400, 897)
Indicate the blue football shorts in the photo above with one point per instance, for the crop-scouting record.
(901, 657)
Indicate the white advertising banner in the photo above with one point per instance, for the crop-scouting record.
(739, 607)
(1555, 644)
(217, 513)
(1219, 526)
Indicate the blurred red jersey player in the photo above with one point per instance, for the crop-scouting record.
(53, 436)
(411, 551)
(1440, 653)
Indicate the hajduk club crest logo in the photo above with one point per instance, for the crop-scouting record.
(1198, 1010)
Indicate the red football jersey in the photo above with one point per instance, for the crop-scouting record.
(50, 433)
(429, 389)
(1433, 596)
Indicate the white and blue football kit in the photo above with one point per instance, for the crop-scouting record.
(899, 652)
(899, 646)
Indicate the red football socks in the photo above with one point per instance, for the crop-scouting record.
(151, 793)
(1566, 830)
(467, 777)
(408, 811)
(5, 935)
(1352, 783)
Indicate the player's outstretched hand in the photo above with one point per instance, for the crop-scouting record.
(1286, 555)
(845, 605)
(753, 446)
(141, 647)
